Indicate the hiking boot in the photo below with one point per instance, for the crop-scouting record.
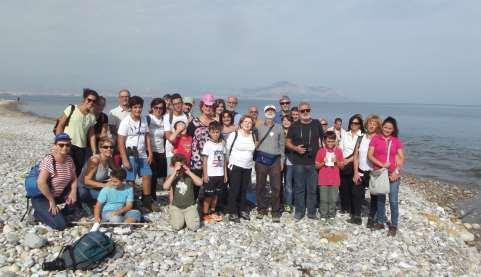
(355, 220)
(378, 226)
(392, 231)
(298, 217)
(234, 218)
(312, 216)
(245, 215)
(323, 221)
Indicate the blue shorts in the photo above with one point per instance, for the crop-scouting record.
(138, 166)
(107, 216)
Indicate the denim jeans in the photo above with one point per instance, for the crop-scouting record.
(305, 190)
(108, 217)
(288, 191)
(393, 204)
(40, 205)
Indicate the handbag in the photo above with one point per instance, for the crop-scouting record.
(379, 178)
(266, 158)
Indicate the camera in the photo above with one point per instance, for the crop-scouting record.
(308, 152)
(132, 151)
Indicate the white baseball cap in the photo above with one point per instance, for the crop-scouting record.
(270, 107)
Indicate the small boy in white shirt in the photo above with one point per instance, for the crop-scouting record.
(214, 169)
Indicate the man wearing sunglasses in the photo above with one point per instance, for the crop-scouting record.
(285, 103)
(303, 139)
(79, 125)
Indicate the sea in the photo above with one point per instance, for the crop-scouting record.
(441, 141)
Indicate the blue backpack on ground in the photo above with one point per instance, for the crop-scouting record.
(31, 186)
(86, 253)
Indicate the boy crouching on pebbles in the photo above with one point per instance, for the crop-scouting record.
(115, 201)
(214, 168)
(183, 208)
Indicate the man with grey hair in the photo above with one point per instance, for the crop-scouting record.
(115, 117)
(303, 140)
(285, 103)
(231, 105)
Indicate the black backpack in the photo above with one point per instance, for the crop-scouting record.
(86, 253)
(72, 108)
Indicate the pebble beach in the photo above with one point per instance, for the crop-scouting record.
(431, 240)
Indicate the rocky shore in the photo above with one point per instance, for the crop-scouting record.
(432, 240)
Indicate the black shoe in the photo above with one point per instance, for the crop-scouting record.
(355, 220)
(234, 218)
(312, 216)
(378, 226)
(298, 217)
(342, 211)
(370, 223)
(245, 215)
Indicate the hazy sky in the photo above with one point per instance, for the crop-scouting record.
(378, 50)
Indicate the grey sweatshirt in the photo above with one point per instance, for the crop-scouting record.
(274, 143)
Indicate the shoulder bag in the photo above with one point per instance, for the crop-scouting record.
(379, 178)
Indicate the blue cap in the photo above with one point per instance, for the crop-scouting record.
(61, 137)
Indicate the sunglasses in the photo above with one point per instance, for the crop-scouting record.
(90, 100)
(305, 111)
(355, 123)
(324, 124)
(159, 107)
(285, 103)
(107, 147)
(62, 145)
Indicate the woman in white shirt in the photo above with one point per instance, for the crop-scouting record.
(240, 147)
(349, 192)
(155, 120)
(363, 167)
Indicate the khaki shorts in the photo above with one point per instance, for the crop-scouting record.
(184, 217)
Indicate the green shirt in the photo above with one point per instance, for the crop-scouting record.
(183, 188)
(79, 126)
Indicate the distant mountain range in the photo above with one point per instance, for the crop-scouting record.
(295, 91)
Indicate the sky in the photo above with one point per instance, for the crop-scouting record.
(415, 51)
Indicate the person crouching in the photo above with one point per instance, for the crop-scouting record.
(182, 209)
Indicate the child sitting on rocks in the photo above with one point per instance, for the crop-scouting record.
(328, 160)
(182, 209)
(115, 201)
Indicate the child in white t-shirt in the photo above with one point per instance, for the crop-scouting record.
(214, 169)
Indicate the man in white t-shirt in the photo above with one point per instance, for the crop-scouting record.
(135, 147)
(115, 116)
(177, 114)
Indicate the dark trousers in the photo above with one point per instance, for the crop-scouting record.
(78, 155)
(305, 190)
(159, 170)
(197, 192)
(40, 205)
(274, 172)
(373, 202)
(239, 182)
(351, 195)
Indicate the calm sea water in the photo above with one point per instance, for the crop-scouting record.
(441, 141)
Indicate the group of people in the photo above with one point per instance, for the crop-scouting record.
(205, 162)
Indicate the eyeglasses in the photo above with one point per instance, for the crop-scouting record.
(107, 147)
(324, 124)
(230, 102)
(305, 110)
(355, 123)
(62, 145)
(159, 108)
(256, 112)
(90, 100)
(285, 103)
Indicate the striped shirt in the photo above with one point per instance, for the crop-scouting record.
(62, 176)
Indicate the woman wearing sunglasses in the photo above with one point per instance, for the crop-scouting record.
(57, 182)
(155, 120)
(95, 174)
(350, 192)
